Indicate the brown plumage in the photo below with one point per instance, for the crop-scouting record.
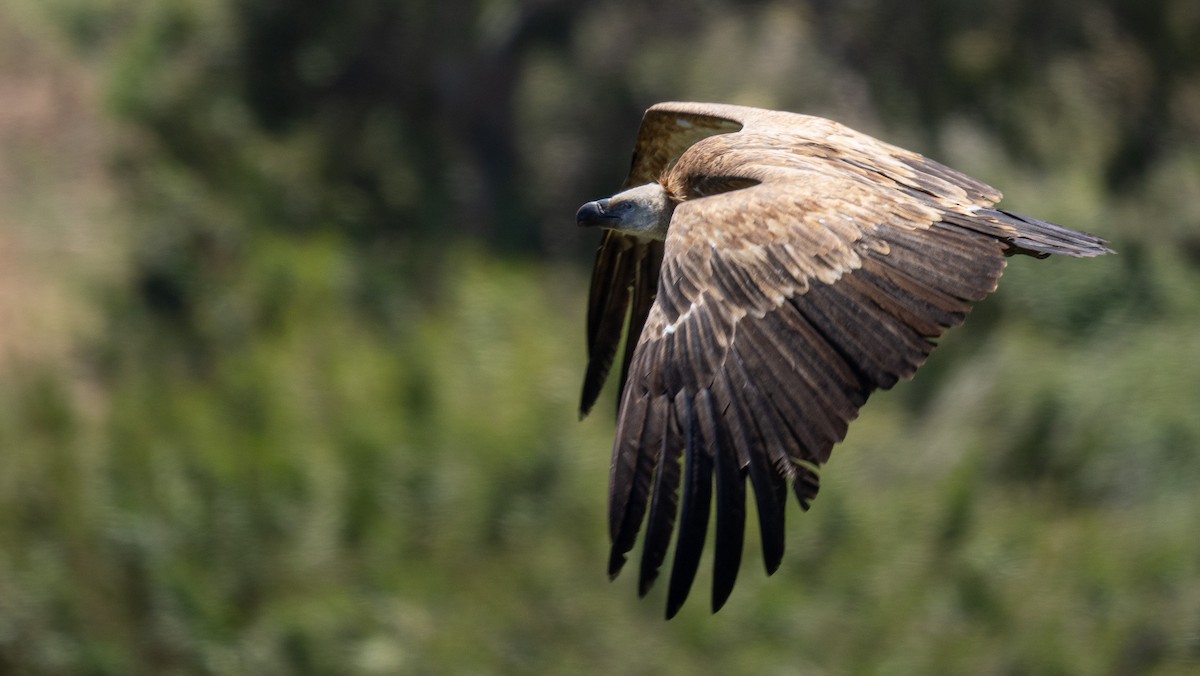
(805, 265)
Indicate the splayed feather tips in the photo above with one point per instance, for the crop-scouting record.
(805, 265)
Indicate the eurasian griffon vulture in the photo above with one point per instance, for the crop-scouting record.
(773, 270)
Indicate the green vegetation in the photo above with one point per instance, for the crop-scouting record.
(293, 339)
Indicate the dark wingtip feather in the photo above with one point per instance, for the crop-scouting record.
(646, 582)
(770, 489)
(664, 502)
(806, 484)
(771, 517)
(613, 275)
(720, 596)
(697, 499)
(599, 364)
(640, 437)
(616, 561)
(731, 510)
(676, 600)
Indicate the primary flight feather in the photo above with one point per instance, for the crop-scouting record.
(771, 270)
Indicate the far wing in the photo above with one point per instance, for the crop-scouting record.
(625, 273)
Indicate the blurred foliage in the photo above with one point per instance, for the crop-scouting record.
(329, 424)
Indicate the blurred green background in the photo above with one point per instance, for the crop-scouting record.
(291, 338)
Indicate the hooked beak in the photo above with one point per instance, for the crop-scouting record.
(596, 214)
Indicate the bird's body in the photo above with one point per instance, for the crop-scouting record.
(775, 269)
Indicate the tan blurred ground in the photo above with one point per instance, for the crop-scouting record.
(52, 242)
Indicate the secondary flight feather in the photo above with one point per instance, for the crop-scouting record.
(770, 270)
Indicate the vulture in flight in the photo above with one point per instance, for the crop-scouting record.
(769, 270)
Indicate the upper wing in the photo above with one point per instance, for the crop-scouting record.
(626, 268)
(781, 307)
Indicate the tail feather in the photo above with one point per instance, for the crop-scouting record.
(1030, 236)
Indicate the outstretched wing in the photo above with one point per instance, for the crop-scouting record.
(781, 307)
(625, 273)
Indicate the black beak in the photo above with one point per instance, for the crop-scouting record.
(596, 214)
